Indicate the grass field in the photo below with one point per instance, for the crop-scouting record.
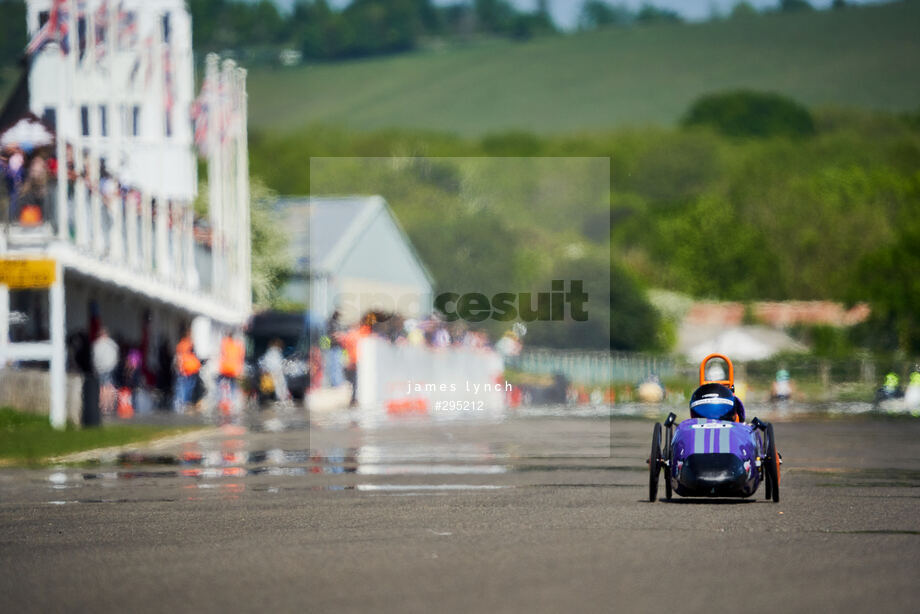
(861, 56)
(29, 439)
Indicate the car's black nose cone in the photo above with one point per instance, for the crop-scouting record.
(712, 475)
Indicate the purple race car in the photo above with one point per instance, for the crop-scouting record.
(714, 453)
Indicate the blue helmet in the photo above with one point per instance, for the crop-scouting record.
(713, 401)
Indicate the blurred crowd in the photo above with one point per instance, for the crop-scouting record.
(28, 176)
(334, 359)
(120, 378)
(28, 193)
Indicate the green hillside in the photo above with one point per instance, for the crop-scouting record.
(860, 56)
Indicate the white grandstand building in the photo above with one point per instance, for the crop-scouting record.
(109, 98)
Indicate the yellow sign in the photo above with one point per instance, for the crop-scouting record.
(26, 273)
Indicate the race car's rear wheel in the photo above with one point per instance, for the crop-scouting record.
(767, 487)
(654, 463)
(771, 464)
(668, 453)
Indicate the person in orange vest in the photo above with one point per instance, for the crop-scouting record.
(229, 370)
(350, 342)
(187, 367)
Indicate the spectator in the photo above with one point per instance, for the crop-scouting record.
(12, 163)
(105, 359)
(414, 333)
(912, 394)
(782, 388)
(272, 362)
(131, 375)
(109, 191)
(440, 338)
(350, 342)
(30, 205)
(331, 344)
(163, 379)
(229, 369)
(83, 362)
(187, 367)
(509, 344)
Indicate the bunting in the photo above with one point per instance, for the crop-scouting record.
(101, 29)
(168, 93)
(127, 28)
(53, 30)
(199, 114)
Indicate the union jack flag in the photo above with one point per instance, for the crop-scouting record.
(199, 114)
(167, 79)
(229, 115)
(148, 59)
(127, 27)
(82, 33)
(101, 28)
(215, 103)
(54, 30)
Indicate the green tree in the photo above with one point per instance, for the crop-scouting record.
(271, 266)
(12, 30)
(743, 10)
(383, 25)
(598, 14)
(264, 23)
(751, 114)
(307, 26)
(690, 210)
(890, 277)
(494, 16)
(649, 13)
(715, 253)
(792, 6)
(634, 323)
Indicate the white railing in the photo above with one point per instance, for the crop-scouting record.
(124, 229)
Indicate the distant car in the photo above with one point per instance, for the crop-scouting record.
(292, 330)
(714, 453)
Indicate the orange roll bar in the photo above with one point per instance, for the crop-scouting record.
(730, 382)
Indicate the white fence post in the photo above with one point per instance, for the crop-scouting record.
(58, 350)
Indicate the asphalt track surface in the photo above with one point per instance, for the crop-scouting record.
(544, 515)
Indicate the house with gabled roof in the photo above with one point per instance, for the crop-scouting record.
(351, 254)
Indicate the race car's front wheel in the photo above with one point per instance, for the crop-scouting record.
(767, 487)
(668, 453)
(770, 463)
(654, 463)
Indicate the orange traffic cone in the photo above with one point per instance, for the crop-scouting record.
(125, 409)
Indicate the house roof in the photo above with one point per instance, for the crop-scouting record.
(334, 225)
